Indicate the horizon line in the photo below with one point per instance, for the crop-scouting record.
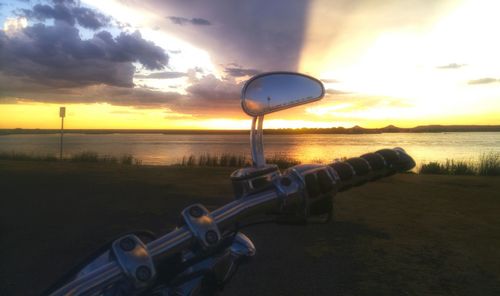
(285, 128)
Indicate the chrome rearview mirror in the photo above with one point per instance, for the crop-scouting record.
(264, 94)
(271, 92)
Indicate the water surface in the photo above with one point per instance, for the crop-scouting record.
(159, 149)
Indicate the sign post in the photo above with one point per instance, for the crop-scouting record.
(62, 114)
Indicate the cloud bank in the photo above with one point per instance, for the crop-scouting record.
(56, 55)
(67, 11)
(451, 66)
(194, 21)
(483, 80)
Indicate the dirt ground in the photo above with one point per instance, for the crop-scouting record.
(403, 235)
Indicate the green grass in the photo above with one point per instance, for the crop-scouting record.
(215, 160)
(283, 161)
(233, 160)
(93, 157)
(26, 156)
(89, 156)
(488, 164)
(81, 157)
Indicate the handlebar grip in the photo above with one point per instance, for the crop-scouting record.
(371, 166)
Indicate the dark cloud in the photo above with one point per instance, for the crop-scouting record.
(451, 66)
(57, 56)
(240, 72)
(89, 18)
(200, 22)
(208, 95)
(484, 80)
(163, 75)
(69, 2)
(178, 20)
(25, 89)
(211, 95)
(66, 11)
(184, 21)
(43, 12)
(132, 47)
(137, 97)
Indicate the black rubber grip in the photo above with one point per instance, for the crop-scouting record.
(344, 170)
(406, 162)
(390, 156)
(375, 160)
(371, 166)
(361, 166)
(312, 186)
(325, 182)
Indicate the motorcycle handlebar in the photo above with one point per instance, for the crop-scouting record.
(372, 166)
(352, 172)
(171, 243)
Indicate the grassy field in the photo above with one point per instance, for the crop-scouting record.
(404, 235)
(487, 164)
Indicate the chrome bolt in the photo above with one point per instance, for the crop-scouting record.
(211, 237)
(127, 244)
(195, 211)
(143, 273)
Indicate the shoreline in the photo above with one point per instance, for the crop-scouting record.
(333, 130)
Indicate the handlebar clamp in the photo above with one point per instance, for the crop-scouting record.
(201, 225)
(316, 186)
(135, 260)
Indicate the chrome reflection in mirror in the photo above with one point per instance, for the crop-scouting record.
(270, 92)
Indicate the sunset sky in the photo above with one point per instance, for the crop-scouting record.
(181, 64)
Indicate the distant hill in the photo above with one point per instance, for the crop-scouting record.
(389, 129)
(334, 130)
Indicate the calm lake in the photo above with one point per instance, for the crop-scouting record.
(161, 149)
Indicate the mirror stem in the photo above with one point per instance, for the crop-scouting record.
(256, 140)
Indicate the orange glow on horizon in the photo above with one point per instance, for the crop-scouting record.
(105, 116)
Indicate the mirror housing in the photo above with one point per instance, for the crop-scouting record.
(275, 91)
(264, 94)
(270, 92)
